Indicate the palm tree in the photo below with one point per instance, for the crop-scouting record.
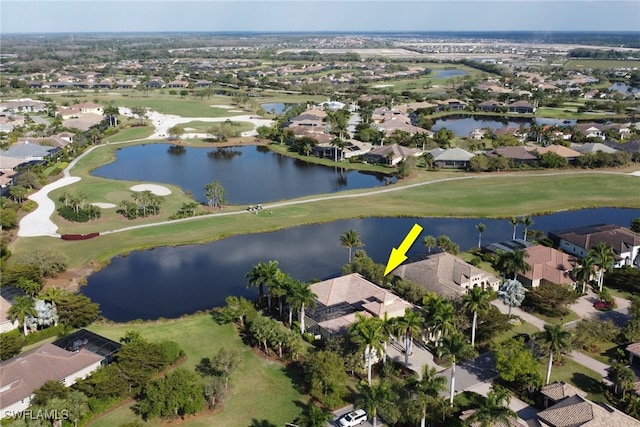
(350, 239)
(429, 242)
(526, 221)
(481, 229)
(602, 255)
(475, 300)
(554, 339)
(367, 333)
(53, 295)
(427, 389)
(314, 417)
(410, 326)
(371, 397)
(440, 315)
(513, 262)
(514, 221)
(301, 297)
(493, 409)
(584, 271)
(456, 348)
(263, 274)
(21, 308)
(623, 378)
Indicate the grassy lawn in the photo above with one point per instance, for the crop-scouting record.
(487, 195)
(199, 126)
(570, 317)
(262, 391)
(577, 375)
(577, 64)
(131, 133)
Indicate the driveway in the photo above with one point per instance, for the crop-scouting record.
(470, 374)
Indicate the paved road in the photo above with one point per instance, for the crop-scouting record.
(339, 412)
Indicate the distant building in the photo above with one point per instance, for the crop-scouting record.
(578, 241)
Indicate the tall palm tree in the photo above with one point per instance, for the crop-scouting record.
(527, 221)
(367, 333)
(475, 300)
(373, 396)
(513, 262)
(584, 271)
(410, 325)
(426, 390)
(430, 242)
(455, 348)
(481, 229)
(554, 339)
(264, 274)
(301, 297)
(493, 409)
(623, 378)
(514, 221)
(21, 308)
(439, 316)
(603, 256)
(350, 239)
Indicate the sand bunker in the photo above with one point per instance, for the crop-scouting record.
(158, 190)
(104, 205)
(636, 173)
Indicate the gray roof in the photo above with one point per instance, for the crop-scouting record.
(453, 155)
(594, 147)
(28, 150)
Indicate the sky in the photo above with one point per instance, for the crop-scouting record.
(64, 16)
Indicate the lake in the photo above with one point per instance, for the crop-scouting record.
(172, 281)
(462, 125)
(445, 74)
(249, 174)
(623, 88)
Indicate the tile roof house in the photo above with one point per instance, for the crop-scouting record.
(340, 299)
(446, 274)
(521, 107)
(560, 150)
(591, 130)
(518, 154)
(577, 241)
(21, 375)
(490, 105)
(391, 154)
(572, 409)
(548, 265)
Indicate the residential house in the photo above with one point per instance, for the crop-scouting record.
(518, 155)
(548, 265)
(594, 147)
(578, 241)
(391, 154)
(560, 150)
(22, 374)
(490, 105)
(338, 301)
(202, 83)
(452, 158)
(519, 134)
(572, 409)
(446, 274)
(28, 152)
(178, 84)
(154, 84)
(6, 324)
(453, 104)
(591, 130)
(477, 133)
(522, 107)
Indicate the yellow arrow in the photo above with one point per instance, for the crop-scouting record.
(398, 256)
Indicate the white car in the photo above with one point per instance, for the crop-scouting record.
(352, 418)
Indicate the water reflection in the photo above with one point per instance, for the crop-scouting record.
(171, 281)
(249, 175)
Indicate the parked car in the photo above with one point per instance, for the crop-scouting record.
(352, 418)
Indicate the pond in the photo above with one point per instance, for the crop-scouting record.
(275, 107)
(172, 281)
(445, 74)
(462, 125)
(623, 88)
(249, 174)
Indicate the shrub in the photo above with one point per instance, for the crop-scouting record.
(29, 206)
(79, 236)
